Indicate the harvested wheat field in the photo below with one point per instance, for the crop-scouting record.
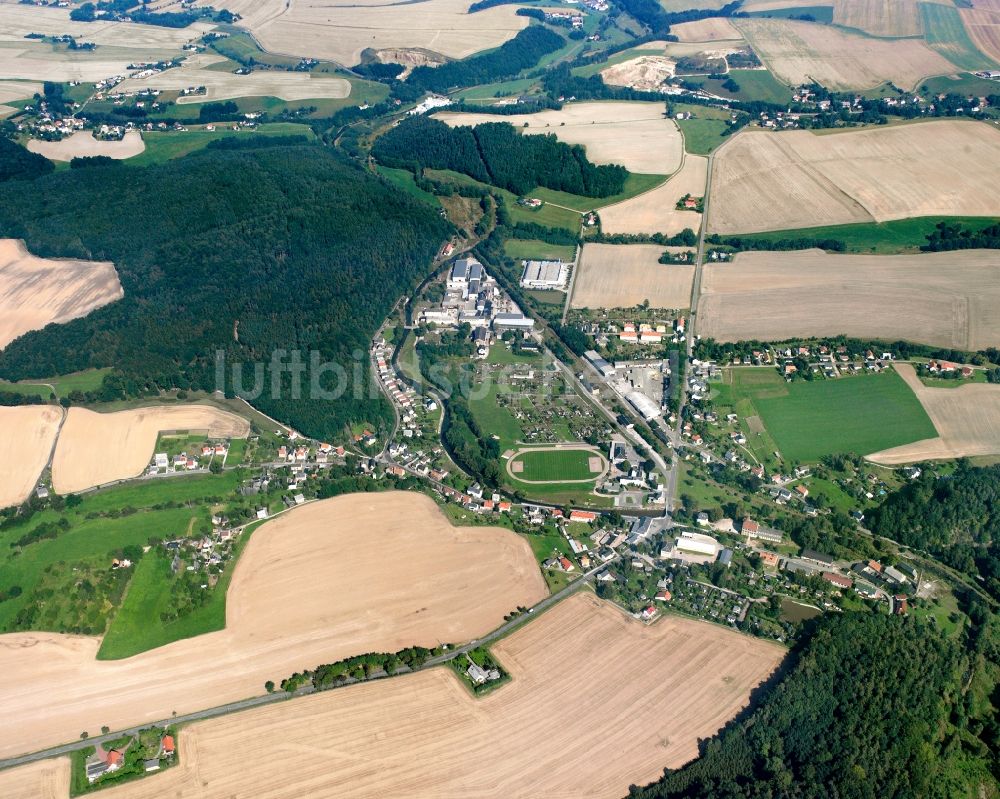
(227, 85)
(339, 577)
(803, 52)
(576, 719)
(949, 299)
(98, 448)
(655, 211)
(777, 181)
(623, 275)
(27, 433)
(967, 419)
(35, 292)
(636, 135)
(342, 29)
(887, 18)
(712, 29)
(982, 21)
(645, 73)
(83, 143)
(47, 779)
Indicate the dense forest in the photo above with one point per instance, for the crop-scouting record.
(250, 253)
(17, 163)
(506, 61)
(497, 153)
(865, 712)
(956, 518)
(955, 236)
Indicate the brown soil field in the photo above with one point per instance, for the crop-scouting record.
(654, 211)
(777, 181)
(227, 85)
(98, 448)
(803, 52)
(645, 73)
(949, 299)
(967, 419)
(705, 30)
(342, 29)
(623, 275)
(340, 577)
(47, 779)
(27, 433)
(83, 143)
(576, 720)
(982, 21)
(35, 292)
(636, 135)
(878, 17)
(11, 90)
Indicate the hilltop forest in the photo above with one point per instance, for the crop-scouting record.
(497, 153)
(248, 252)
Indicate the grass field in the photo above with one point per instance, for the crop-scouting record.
(87, 380)
(879, 238)
(822, 14)
(945, 32)
(755, 84)
(703, 132)
(533, 249)
(634, 184)
(403, 180)
(555, 465)
(164, 146)
(808, 420)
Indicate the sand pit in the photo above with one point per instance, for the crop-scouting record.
(636, 135)
(342, 29)
(949, 299)
(227, 85)
(967, 419)
(576, 720)
(35, 292)
(803, 52)
(27, 433)
(344, 576)
(48, 779)
(766, 181)
(82, 143)
(655, 211)
(623, 275)
(645, 73)
(712, 29)
(98, 448)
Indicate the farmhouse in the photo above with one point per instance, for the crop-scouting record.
(837, 579)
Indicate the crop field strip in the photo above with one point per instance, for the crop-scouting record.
(623, 275)
(521, 739)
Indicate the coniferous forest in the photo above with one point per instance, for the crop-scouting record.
(247, 251)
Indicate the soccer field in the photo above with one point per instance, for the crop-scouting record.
(555, 465)
(808, 420)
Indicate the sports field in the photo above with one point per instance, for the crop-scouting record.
(808, 420)
(556, 465)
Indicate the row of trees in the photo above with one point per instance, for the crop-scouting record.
(497, 153)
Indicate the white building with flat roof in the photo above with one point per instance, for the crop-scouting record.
(544, 275)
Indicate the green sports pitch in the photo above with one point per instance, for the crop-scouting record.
(554, 465)
(811, 419)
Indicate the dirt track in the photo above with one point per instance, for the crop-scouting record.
(355, 574)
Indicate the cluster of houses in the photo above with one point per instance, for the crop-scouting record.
(946, 369)
(188, 461)
(108, 761)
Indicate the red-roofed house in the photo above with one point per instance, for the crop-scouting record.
(663, 596)
(566, 563)
(838, 580)
(582, 516)
(167, 745)
(503, 507)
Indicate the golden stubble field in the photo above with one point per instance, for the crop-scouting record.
(598, 701)
(623, 275)
(228, 85)
(967, 419)
(712, 29)
(655, 211)
(636, 135)
(27, 434)
(35, 292)
(888, 18)
(793, 179)
(949, 299)
(339, 577)
(803, 52)
(83, 143)
(47, 779)
(341, 29)
(98, 448)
